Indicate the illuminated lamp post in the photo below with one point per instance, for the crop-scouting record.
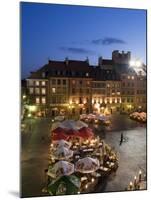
(135, 63)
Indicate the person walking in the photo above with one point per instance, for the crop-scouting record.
(122, 137)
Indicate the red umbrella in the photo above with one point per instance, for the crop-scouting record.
(59, 134)
(59, 130)
(71, 132)
(85, 133)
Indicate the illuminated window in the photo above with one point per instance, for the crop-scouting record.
(108, 85)
(43, 100)
(88, 82)
(87, 74)
(30, 82)
(43, 83)
(132, 77)
(128, 77)
(31, 90)
(37, 90)
(118, 93)
(73, 81)
(37, 100)
(43, 90)
(53, 90)
(37, 83)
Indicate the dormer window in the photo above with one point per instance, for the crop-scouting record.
(43, 74)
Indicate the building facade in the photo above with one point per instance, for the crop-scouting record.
(75, 87)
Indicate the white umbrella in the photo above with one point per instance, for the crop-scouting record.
(80, 124)
(62, 143)
(72, 124)
(91, 116)
(61, 168)
(63, 153)
(87, 165)
(59, 118)
(55, 125)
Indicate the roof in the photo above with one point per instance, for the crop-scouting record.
(63, 68)
(107, 62)
(105, 74)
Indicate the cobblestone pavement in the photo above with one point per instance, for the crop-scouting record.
(34, 153)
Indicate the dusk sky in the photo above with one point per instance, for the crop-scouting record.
(54, 32)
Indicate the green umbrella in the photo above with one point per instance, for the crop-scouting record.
(64, 185)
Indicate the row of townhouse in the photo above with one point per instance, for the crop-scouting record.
(76, 87)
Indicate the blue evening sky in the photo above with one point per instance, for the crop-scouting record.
(59, 31)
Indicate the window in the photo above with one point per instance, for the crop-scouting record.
(87, 91)
(43, 100)
(132, 77)
(108, 85)
(128, 77)
(31, 90)
(53, 81)
(37, 100)
(118, 93)
(88, 82)
(43, 91)
(64, 82)
(87, 74)
(123, 84)
(73, 90)
(53, 90)
(43, 74)
(118, 100)
(43, 83)
(73, 82)
(123, 100)
(30, 82)
(80, 82)
(80, 100)
(53, 99)
(37, 90)
(80, 90)
(59, 81)
(37, 83)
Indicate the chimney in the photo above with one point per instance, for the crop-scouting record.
(66, 60)
(129, 55)
(87, 60)
(100, 61)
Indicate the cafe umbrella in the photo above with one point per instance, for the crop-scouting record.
(62, 153)
(60, 168)
(64, 185)
(87, 165)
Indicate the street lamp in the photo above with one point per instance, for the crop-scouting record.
(135, 63)
(32, 108)
(24, 96)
